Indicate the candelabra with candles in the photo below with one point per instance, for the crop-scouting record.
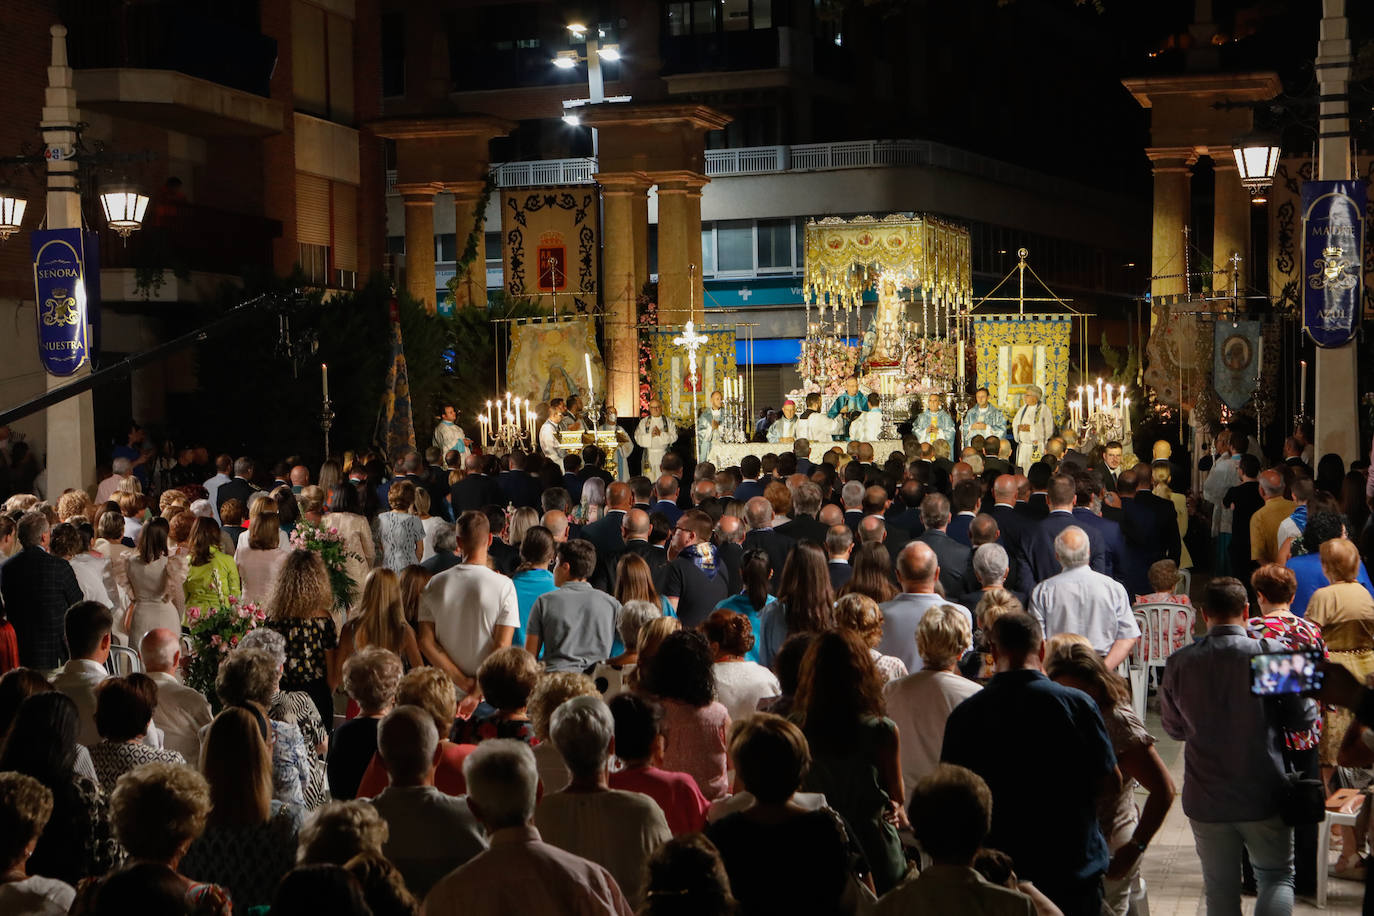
(509, 426)
(736, 412)
(1101, 414)
(1302, 415)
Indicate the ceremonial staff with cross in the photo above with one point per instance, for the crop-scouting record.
(692, 340)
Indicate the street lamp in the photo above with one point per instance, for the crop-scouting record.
(1257, 159)
(123, 204)
(11, 212)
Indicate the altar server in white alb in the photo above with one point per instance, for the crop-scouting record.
(654, 434)
(710, 426)
(814, 425)
(785, 428)
(548, 433)
(448, 435)
(1032, 427)
(869, 424)
(982, 419)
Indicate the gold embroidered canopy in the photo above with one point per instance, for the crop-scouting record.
(846, 257)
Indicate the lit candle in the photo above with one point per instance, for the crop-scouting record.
(490, 415)
(1109, 395)
(482, 423)
(324, 380)
(1098, 402)
(587, 358)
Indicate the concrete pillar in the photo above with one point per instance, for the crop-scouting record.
(1334, 403)
(1172, 171)
(639, 217)
(71, 423)
(1230, 226)
(622, 195)
(471, 287)
(419, 203)
(679, 246)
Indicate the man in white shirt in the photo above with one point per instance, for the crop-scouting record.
(814, 425)
(654, 434)
(431, 833)
(1082, 601)
(502, 780)
(869, 424)
(181, 711)
(918, 570)
(548, 433)
(224, 464)
(469, 611)
(87, 627)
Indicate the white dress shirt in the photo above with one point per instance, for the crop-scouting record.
(79, 679)
(1080, 600)
(181, 713)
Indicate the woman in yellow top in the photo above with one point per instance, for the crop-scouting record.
(1345, 612)
(211, 574)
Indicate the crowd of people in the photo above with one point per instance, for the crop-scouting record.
(847, 686)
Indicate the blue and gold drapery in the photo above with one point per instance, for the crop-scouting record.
(396, 413)
(1015, 351)
(669, 368)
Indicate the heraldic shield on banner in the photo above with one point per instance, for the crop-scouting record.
(1333, 271)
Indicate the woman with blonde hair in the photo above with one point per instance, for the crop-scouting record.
(413, 580)
(553, 690)
(331, 476)
(260, 561)
(1162, 477)
(430, 523)
(521, 521)
(250, 837)
(1344, 611)
(74, 504)
(156, 582)
(651, 636)
(211, 575)
(380, 622)
(401, 534)
(300, 610)
(634, 582)
(861, 614)
(997, 602)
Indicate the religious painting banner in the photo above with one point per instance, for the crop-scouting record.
(1333, 214)
(60, 259)
(1178, 355)
(1288, 269)
(1237, 352)
(555, 359)
(549, 245)
(669, 368)
(1013, 352)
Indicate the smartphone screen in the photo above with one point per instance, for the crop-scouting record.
(1277, 673)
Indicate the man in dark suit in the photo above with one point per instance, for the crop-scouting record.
(667, 498)
(839, 543)
(1292, 458)
(874, 505)
(749, 467)
(504, 556)
(967, 493)
(1165, 515)
(952, 556)
(476, 490)
(240, 487)
(1015, 528)
(643, 490)
(572, 480)
(852, 499)
(804, 526)
(758, 513)
(729, 541)
(992, 461)
(1108, 468)
(605, 534)
(671, 465)
(520, 488)
(1037, 505)
(905, 511)
(1014, 574)
(1140, 524)
(1088, 486)
(635, 531)
(1040, 555)
(36, 588)
(802, 449)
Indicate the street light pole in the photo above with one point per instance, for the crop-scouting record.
(1334, 406)
(71, 423)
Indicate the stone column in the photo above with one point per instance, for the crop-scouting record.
(1172, 172)
(1334, 406)
(471, 287)
(1230, 226)
(621, 197)
(419, 203)
(679, 246)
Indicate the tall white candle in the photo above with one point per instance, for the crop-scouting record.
(1302, 396)
(587, 359)
(490, 415)
(324, 380)
(1109, 395)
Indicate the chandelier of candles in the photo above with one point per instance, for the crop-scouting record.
(507, 425)
(1101, 413)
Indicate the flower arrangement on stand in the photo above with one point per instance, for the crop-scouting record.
(327, 542)
(215, 632)
(931, 358)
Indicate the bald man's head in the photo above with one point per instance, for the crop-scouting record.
(1271, 484)
(982, 530)
(636, 525)
(917, 567)
(1004, 489)
(161, 650)
(703, 490)
(730, 529)
(667, 487)
(831, 515)
(872, 530)
(1023, 488)
(619, 496)
(960, 472)
(557, 523)
(758, 512)
(1072, 547)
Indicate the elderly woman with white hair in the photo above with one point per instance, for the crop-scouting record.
(593, 504)
(990, 564)
(289, 705)
(502, 782)
(920, 703)
(613, 828)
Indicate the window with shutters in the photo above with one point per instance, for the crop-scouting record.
(322, 62)
(327, 230)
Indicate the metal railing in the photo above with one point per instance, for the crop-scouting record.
(532, 173)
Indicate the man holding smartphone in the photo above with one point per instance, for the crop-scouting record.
(1232, 761)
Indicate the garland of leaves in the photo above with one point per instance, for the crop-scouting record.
(476, 239)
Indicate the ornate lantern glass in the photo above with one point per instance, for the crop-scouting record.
(11, 212)
(1257, 158)
(124, 205)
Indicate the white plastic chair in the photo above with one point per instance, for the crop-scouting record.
(1342, 818)
(124, 660)
(1137, 672)
(1166, 627)
(1185, 583)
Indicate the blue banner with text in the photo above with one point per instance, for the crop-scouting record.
(1332, 247)
(59, 286)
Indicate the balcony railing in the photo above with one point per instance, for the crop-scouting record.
(532, 173)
